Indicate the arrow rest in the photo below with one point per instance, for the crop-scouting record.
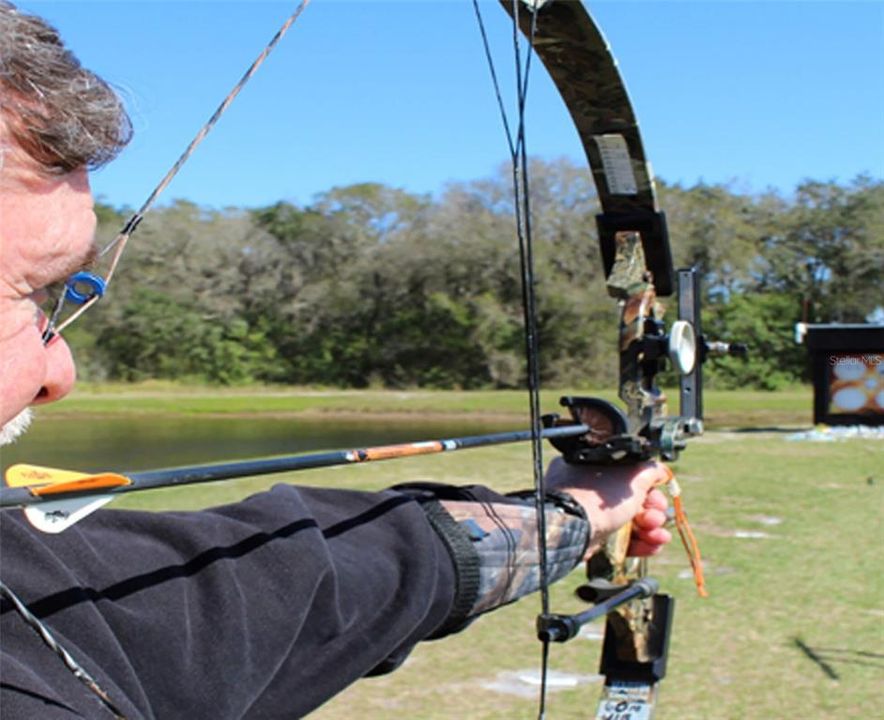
(608, 442)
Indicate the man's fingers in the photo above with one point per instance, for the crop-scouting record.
(656, 536)
(651, 542)
(653, 514)
(650, 519)
(654, 473)
(656, 499)
(640, 548)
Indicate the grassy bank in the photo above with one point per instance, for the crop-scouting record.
(749, 410)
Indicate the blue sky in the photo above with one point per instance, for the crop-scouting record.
(756, 94)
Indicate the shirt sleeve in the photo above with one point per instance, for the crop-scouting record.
(494, 543)
(265, 608)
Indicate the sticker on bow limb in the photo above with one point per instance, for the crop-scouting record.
(617, 164)
(626, 701)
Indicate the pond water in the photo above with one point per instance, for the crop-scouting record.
(129, 443)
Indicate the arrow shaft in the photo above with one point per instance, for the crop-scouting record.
(191, 475)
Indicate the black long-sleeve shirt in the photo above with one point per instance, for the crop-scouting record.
(261, 609)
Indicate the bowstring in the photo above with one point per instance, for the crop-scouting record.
(118, 244)
(522, 210)
(33, 622)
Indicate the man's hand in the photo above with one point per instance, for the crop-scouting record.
(615, 495)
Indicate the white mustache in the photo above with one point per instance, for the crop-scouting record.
(16, 427)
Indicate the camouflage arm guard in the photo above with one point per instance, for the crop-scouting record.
(493, 544)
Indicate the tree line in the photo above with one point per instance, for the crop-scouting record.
(369, 285)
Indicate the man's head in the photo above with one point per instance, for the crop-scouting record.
(57, 121)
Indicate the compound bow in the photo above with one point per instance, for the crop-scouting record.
(637, 260)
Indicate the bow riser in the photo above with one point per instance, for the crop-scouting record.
(631, 283)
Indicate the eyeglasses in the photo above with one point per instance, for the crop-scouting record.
(85, 288)
(81, 289)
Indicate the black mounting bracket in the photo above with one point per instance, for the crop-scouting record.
(655, 243)
(618, 664)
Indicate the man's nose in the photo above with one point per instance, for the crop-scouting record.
(60, 372)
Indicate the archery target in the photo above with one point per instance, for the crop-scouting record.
(856, 384)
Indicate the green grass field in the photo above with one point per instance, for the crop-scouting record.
(790, 531)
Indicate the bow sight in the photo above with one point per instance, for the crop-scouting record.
(644, 431)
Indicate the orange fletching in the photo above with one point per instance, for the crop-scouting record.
(92, 482)
(43, 481)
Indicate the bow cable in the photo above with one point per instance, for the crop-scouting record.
(522, 210)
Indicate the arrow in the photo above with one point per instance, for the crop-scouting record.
(56, 499)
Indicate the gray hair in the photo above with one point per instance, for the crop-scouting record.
(63, 116)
